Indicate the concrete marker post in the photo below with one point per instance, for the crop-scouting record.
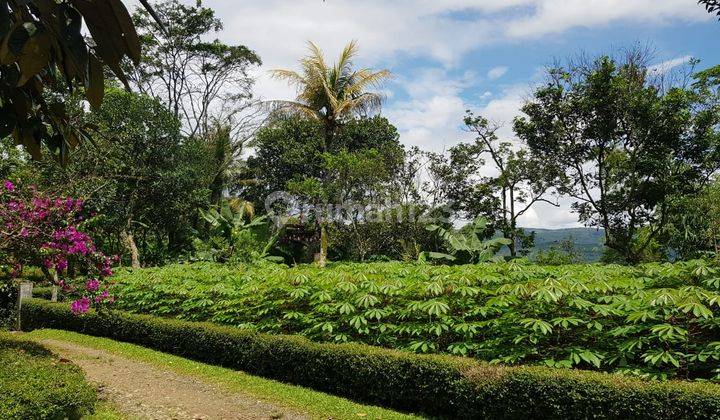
(26, 292)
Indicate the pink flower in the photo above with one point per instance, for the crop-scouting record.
(24, 233)
(102, 296)
(80, 306)
(61, 264)
(9, 185)
(92, 285)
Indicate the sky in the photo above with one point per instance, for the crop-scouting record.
(447, 56)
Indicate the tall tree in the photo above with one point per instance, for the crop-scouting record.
(626, 144)
(144, 180)
(199, 80)
(362, 167)
(518, 181)
(42, 45)
(332, 95)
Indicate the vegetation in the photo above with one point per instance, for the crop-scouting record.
(144, 181)
(43, 46)
(622, 145)
(656, 320)
(184, 166)
(315, 404)
(434, 385)
(36, 384)
(331, 95)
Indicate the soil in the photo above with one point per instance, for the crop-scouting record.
(140, 390)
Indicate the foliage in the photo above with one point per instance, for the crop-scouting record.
(627, 144)
(199, 78)
(466, 245)
(693, 226)
(331, 95)
(438, 386)
(142, 178)
(361, 168)
(8, 302)
(47, 232)
(520, 181)
(35, 384)
(236, 234)
(712, 6)
(561, 254)
(658, 320)
(43, 46)
(397, 233)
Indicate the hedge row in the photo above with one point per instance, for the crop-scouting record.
(434, 385)
(34, 384)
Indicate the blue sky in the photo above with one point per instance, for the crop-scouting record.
(452, 55)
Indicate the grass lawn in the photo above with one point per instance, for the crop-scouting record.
(316, 404)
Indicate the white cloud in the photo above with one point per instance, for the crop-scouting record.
(546, 216)
(667, 66)
(431, 116)
(497, 72)
(557, 16)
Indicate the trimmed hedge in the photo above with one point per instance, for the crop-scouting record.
(435, 385)
(34, 384)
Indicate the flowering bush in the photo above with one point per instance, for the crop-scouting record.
(41, 231)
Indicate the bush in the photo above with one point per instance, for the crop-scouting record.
(435, 385)
(656, 320)
(34, 384)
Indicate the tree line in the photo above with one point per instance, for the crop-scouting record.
(180, 166)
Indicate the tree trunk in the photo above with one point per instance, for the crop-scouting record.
(321, 257)
(129, 241)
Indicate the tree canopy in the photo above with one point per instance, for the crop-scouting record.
(41, 46)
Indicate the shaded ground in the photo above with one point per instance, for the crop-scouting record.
(140, 390)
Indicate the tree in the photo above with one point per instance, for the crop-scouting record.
(520, 180)
(45, 231)
(712, 6)
(42, 45)
(361, 166)
(693, 227)
(200, 81)
(332, 95)
(627, 145)
(142, 177)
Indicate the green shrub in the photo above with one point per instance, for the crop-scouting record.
(658, 320)
(432, 384)
(35, 384)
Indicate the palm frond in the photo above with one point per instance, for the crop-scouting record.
(294, 107)
(292, 77)
(332, 92)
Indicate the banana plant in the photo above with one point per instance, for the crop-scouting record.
(232, 216)
(234, 221)
(466, 244)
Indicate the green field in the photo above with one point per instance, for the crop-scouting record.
(657, 320)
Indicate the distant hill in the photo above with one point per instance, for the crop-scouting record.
(588, 241)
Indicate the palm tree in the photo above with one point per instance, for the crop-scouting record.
(331, 95)
(712, 6)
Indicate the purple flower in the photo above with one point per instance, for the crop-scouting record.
(92, 285)
(9, 185)
(80, 306)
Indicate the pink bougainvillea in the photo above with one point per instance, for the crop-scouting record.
(45, 232)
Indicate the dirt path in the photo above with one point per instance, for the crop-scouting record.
(140, 390)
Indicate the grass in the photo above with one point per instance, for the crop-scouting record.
(105, 411)
(315, 404)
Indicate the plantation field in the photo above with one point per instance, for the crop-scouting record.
(657, 320)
